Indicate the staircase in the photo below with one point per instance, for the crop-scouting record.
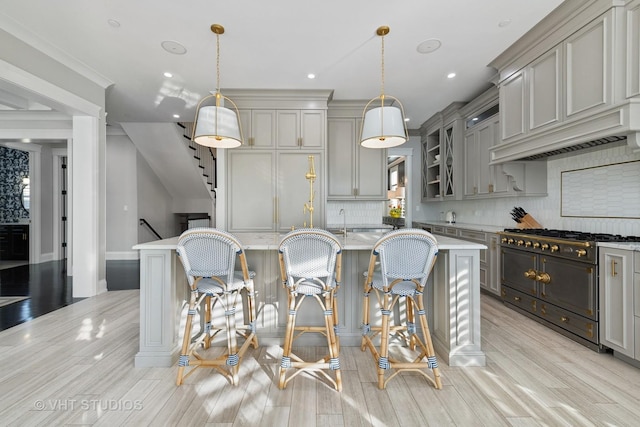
(205, 156)
(185, 169)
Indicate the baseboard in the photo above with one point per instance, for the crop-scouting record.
(124, 255)
(47, 257)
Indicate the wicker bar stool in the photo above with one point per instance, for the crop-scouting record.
(310, 266)
(209, 257)
(406, 258)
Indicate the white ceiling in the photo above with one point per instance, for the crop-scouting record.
(273, 45)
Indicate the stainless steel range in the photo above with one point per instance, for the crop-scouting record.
(552, 277)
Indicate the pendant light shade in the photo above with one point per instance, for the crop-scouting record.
(383, 126)
(217, 126)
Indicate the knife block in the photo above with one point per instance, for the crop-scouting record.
(528, 221)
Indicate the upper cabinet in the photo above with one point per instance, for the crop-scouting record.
(300, 128)
(442, 147)
(258, 128)
(570, 81)
(353, 172)
(482, 179)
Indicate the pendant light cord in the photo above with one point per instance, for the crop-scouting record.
(382, 67)
(218, 63)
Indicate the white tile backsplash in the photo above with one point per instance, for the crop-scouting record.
(546, 210)
(357, 213)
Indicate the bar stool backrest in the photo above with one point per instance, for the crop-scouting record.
(406, 254)
(208, 252)
(310, 253)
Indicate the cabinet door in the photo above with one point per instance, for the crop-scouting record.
(288, 128)
(19, 242)
(371, 173)
(447, 178)
(616, 300)
(263, 128)
(588, 67)
(512, 118)
(471, 163)
(485, 141)
(294, 190)
(493, 264)
(251, 190)
(312, 128)
(341, 158)
(245, 124)
(544, 90)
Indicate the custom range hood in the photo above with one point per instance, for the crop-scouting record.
(577, 147)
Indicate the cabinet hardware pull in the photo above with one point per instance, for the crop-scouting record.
(543, 277)
(275, 210)
(530, 274)
(300, 141)
(613, 268)
(564, 319)
(517, 299)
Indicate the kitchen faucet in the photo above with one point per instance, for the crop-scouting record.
(344, 223)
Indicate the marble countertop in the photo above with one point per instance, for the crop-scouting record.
(629, 246)
(270, 241)
(466, 226)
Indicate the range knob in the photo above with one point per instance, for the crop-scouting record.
(581, 252)
(536, 245)
(503, 240)
(510, 241)
(554, 248)
(545, 246)
(527, 244)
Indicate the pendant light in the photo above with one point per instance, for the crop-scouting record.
(383, 126)
(217, 126)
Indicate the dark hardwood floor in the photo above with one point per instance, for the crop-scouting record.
(49, 288)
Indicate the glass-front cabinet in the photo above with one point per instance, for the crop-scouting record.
(442, 143)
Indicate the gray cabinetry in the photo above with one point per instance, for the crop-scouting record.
(268, 190)
(442, 147)
(482, 178)
(489, 258)
(300, 129)
(354, 172)
(617, 312)
(570, 80)
(258, 128)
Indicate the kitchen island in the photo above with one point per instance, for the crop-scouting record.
(452, 297)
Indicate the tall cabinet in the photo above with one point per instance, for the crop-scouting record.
(442, 145)
(265, 179)
(353, 172)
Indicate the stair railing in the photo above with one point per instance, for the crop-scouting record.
(144, 222)
(206, 156)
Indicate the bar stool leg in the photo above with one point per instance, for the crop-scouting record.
(288, 340)
(329, 321)
(232, 342)
(186, 340)
(383, 359)
(431, 354)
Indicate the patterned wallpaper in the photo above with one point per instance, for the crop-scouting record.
(14, 165)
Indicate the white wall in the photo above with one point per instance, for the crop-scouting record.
(154, 204)
(122, 198)
(546, 210)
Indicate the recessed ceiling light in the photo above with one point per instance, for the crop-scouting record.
(504, 23)
(168, 74)
(173, 47)
(429, 45)
(176, 116)
(451, 75)
(475, 119)
(311, 76)
(113, 23)
(406, 119)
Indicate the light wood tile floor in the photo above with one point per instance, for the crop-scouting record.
(75, 367)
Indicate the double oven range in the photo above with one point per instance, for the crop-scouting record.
(552, 277)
